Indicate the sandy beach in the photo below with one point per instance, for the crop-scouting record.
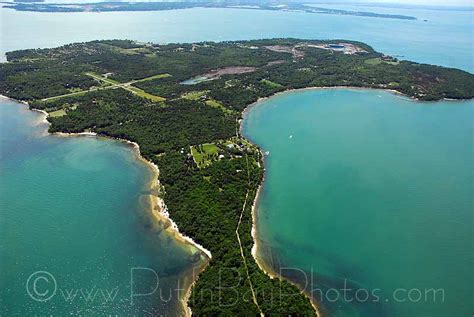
(255, 248)
(161, 214)
(393, 91)
(156, 204)
(260, 260)
(159, 210)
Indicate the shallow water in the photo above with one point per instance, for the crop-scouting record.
(446, 39)
(371, 189)
(100, 182)
(195, 80)
(70, 206)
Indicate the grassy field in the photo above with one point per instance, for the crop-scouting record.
(215, 104)
(221, 180)
(104, 83)
(204, 154)
(393, 84)
(78, 93)
(154, 77)
(378, 60)
(373, 61)
(102, 79)
(194, 95)
(135, 51)
(137, 91)
(271, 84)
(57, 113)
(143, 94)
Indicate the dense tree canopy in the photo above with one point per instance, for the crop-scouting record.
(172, 98)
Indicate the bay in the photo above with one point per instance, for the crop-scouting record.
(368, 191)
(444, 39)
(76, 208)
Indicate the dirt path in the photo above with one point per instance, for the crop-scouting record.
(254, 296)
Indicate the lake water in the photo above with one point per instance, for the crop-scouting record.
(70, 206)
(371, 188)
(370, 160)
(446, 39)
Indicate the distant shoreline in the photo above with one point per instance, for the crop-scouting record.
(164, 6)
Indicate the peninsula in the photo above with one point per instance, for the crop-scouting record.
(37, 6)
(182, 104)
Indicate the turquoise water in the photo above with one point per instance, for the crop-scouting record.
(446, 39)
(195, 80)
(70, 206)
(378, 192)
(372, 188)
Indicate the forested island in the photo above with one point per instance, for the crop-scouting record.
(159, 6)
(182, 104)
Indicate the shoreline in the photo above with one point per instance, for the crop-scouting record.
(261, 262)
(254, 233)
(262, 265)
(160, 212)
(289, 91)
(155, 201)
(157, 208)
(156, 205)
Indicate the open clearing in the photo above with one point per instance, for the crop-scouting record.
(204, 154)
(57, 113)
(271, 84)
(215, 104)
(194, 95)
(154, 77)
(127, 86)
(378, 60)
(108, 83)
(143, 94)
